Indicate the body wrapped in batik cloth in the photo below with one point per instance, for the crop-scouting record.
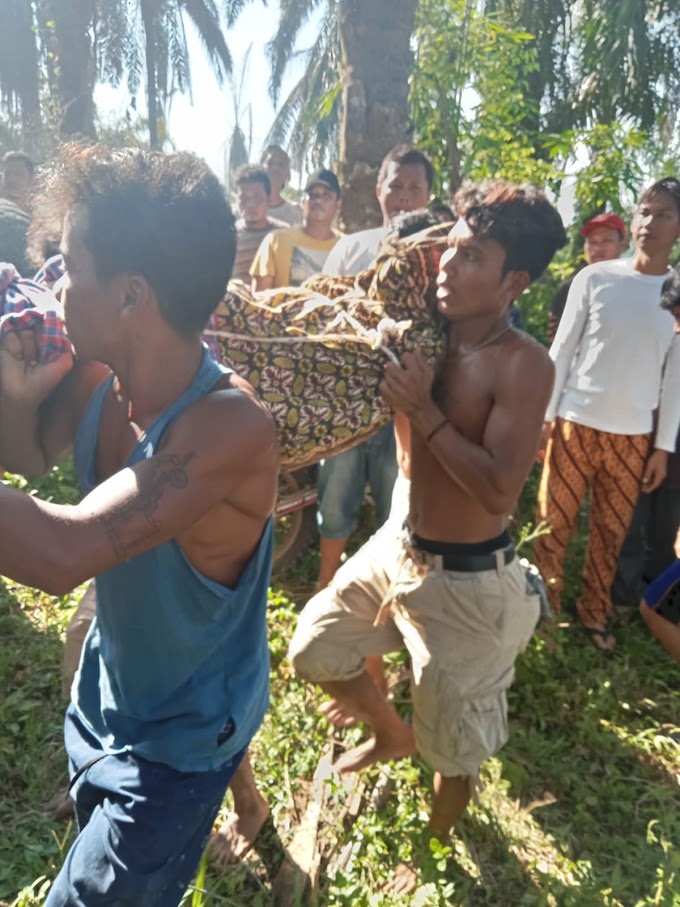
(316, 353)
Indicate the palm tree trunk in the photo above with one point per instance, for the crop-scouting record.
(150, 54)
(19, 70)
(375, 66)
(75, 66)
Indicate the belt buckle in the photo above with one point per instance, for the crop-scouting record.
(421, 560)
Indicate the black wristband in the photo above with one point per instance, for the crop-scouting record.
(436, 429)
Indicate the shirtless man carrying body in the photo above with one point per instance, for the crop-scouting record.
(451, 590)
(178, 462)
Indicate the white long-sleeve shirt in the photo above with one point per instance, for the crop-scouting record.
(354, 252)
(616, 356)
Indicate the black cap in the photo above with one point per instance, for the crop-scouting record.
(325, 178)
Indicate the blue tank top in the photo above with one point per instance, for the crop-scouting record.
(175, 667)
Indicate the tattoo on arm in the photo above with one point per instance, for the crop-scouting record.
(123, 527)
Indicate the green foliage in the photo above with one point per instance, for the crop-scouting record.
(613, 176)
(469, 94)
(578, 810)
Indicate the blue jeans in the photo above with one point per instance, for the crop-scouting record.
(342, 481)
(143, 826)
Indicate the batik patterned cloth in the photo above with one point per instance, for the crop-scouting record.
(325, 397)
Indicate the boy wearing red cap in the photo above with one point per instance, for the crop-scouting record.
(604, 239)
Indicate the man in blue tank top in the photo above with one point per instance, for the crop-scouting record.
(178, 463)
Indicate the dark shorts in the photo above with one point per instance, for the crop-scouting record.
(143, 826)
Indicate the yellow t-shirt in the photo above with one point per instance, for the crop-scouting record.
(291, 256)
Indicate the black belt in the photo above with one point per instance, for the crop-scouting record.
(469, 563)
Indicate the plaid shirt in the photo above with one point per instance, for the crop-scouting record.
(51, 272)
(24, 306)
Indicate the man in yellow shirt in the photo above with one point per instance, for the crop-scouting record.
(288, 257)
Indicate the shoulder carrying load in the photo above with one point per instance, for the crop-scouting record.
(316, 353)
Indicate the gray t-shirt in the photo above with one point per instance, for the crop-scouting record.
(14, 224)
(288, 212)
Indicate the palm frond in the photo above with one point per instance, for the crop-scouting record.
(205, 16)
(280, 50)
(307, 121)
(175, 54)
(234, 8)
(113, 24)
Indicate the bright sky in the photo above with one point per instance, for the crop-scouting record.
(204, 122)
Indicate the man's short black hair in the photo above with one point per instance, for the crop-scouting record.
(442, 211)
(251, 173)
(670, 291)
(21, 157)
(164, 217)
(669, 185)
(407, 154)
(408, 223)
(519, 218)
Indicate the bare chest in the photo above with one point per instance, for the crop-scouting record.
(464, 390)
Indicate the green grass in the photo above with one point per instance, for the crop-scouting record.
(580, 808)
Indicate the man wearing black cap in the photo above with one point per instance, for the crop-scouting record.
(604, 240)
(288, 257)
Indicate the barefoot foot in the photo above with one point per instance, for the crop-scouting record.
(404, 880)
(235, 837)
(378, 749)
(338, 714)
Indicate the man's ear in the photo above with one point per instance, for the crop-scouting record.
(136, 292)
(516, 282)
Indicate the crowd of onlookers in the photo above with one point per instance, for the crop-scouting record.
(281, 243)
(173, 675)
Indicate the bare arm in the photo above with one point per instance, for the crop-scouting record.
(204, 461)
(402, 433)
(494, 471)
(263, 268)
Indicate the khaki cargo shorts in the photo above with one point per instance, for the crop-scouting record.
(463, 632)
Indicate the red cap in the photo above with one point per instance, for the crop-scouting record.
(613, 221)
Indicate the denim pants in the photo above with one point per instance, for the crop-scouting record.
(142, 826)
(342, 481)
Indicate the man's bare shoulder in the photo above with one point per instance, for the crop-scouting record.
(231, 418)
(523, 352)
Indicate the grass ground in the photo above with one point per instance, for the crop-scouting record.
(580, 808)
